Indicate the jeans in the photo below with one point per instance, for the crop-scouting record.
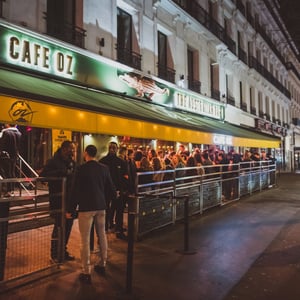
(85, 221)
(55, 251)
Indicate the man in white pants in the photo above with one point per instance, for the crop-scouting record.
(92, 186)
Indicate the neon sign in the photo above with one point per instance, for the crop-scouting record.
(222, 139)
(34, 55)
(198, 105)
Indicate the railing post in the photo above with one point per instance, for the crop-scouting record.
(62, 230)
(4, 214)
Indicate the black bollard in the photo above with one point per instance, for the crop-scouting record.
(186, 249)
(131, 221)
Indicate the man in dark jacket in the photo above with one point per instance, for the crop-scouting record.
(119, 174)
(92, 186)
(10, 141)
(60, 165)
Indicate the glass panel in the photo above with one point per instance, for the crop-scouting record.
(162, 49)
(124, 30)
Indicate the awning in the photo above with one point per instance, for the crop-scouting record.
(88, 110)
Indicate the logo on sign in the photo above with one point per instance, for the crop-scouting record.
(21, 112)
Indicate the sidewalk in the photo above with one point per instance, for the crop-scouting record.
(249, 249)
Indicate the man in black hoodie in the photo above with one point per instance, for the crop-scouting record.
(60, 165)
(119, 173)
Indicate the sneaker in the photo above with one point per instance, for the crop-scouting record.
(85, 278)
(121, 236)
(99, 270)
(69, 257)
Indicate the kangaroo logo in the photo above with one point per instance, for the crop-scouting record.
(20, 111)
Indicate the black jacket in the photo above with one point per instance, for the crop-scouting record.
(118, 171)
(92, 187)
(59, 167)
(10, 141)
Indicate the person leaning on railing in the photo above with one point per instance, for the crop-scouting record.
(60, 165)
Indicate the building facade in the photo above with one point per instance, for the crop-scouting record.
(202, 72)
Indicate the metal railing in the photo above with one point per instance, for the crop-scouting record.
(65, 31)
(207, 186)
(129, 57)
(25, 229)
(166, 73)
(24, 170)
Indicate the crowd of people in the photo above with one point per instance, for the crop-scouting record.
(152, 160)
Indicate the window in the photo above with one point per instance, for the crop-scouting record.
(181, 3)
(214, 74)
(193, 71)
(258, 55)
(242, 55)
(273, 111)
(162, 49)
(241, 92)
(242, 103)
(268, 108)
(252, 101)
(125, 38)
(124, 46)
(260, 104)
(229, 90)
(265, 62)
(1, 8)
(61, 22)
(165, 70)
(278, 113)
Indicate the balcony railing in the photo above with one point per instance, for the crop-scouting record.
(242, 55)
(269, 41)
(253, 110)
(241, 7)
(261, 114)
(250, 19)
(202, 16)
(166, 73)
(215, 94)
(230, 100)
(230, 43)
(253, 63)
(194, 85)
(268, 117)
(244, 106)
(291, 67)
(129, 58)
(216, 29)
(66, 32)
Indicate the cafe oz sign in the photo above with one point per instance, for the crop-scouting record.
(35, 54)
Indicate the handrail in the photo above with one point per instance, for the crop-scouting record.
(28, 166)
(22, 174)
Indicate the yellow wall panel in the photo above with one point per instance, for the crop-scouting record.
(40, 114)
